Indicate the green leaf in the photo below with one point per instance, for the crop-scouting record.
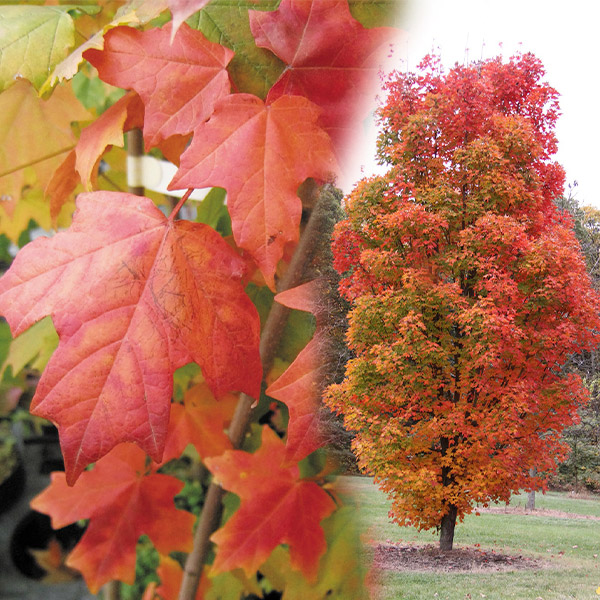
(5, 340)
(378, 13)
(211, 210)
(183, 378)
(233, 585)
(93, 93)
(33, 40)
(34, 347)
(299, 328)
(262, 298)
(340, 571)
(253, 70)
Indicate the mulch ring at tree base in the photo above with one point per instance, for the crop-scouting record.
(427, 558)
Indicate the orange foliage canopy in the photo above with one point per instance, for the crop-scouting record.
(468, 291)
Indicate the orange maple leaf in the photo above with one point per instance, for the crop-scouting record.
(260, 154)
(125, 114)
(122, 501)
(200, 421)
(300, 387)
(170, 573)
(277, 508)
(133, 297)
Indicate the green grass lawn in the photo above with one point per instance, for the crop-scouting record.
(569, 545)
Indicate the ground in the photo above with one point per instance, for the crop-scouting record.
(429, 558)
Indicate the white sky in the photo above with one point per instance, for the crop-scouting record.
(563, 35)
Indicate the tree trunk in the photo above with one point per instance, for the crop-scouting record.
(447, 528)
(531, 496)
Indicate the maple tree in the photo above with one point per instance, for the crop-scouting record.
(166, 326)
(468, 293)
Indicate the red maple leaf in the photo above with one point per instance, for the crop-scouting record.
(123, 500)
(332, 59)
(299, 387)
(133, 296)
(178, 82)
(277, 508)
(260, 154)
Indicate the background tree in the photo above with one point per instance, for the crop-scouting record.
(581, 469)
(468, 292)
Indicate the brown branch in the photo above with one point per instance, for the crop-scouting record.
(270, 337)
(112, 591)
(135, 147)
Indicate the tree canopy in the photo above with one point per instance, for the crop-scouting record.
(468, 293)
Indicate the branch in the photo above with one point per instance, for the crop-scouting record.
(270, 337)
(135, 147)
(112, 591)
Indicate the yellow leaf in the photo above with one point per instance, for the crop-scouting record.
(135, 12)
(32, 206)
(33, 347)
(35, 136)
(33, 39)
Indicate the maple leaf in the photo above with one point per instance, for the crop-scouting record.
(170, 574)
(62, 184)
(260, 154)
(178, 82)
(200, 421)
(125, 114)
(133, 296)
(299, 387)
(24, 120)
(253, 70)
(340, 570)
(51, 559)
(276, 508)
(32, 205)
(33, 347)
(33, 39)
(331, 58)
(134, 12)
(123, 501)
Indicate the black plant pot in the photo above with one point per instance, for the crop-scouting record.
(34, 533)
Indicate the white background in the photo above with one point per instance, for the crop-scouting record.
(565, 36)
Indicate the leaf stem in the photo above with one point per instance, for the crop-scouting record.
(180, 204)
(269, 341)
